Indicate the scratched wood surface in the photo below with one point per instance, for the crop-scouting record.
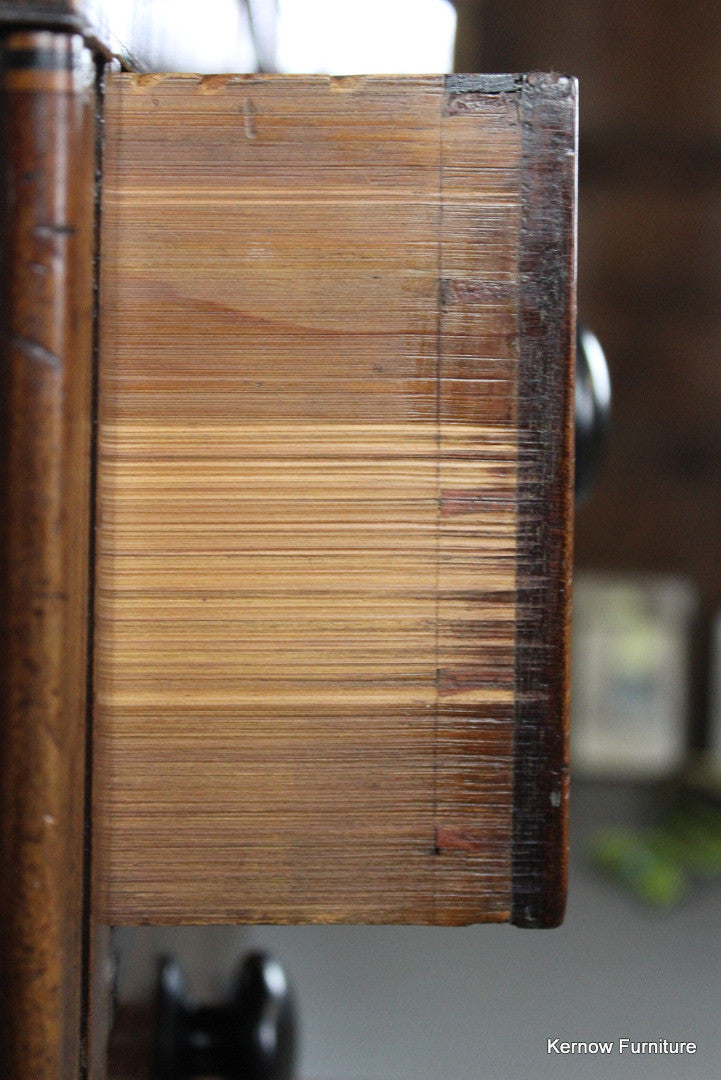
(311, 371)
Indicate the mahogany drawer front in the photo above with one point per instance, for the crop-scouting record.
(333, 499)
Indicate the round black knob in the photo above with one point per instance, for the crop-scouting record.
(593, 409)
(251, 1037)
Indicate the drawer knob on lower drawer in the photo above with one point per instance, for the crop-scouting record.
(250, 1037)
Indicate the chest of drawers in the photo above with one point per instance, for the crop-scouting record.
(287, 372)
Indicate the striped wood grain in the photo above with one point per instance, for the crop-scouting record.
(308, 500)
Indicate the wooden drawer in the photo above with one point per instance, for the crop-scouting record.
(325, 474)
(332, 491)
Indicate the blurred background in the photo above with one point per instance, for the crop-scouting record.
(639, 953)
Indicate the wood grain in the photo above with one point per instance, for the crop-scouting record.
(308, 493)
(47, 90)
(545, 502)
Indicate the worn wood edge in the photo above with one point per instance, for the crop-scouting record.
(48, 91)
(547, 265)
(493, 83)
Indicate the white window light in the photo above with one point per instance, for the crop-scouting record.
(376, 36)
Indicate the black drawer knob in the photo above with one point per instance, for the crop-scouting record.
(250, 1037)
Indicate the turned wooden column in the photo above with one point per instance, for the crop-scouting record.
(47, 106)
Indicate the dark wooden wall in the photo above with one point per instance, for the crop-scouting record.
(649, 264)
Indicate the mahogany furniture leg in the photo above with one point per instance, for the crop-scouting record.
(47, 105)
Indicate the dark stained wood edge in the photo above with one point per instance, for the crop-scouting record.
(47, 113)
(493, 83)
(545, 500)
